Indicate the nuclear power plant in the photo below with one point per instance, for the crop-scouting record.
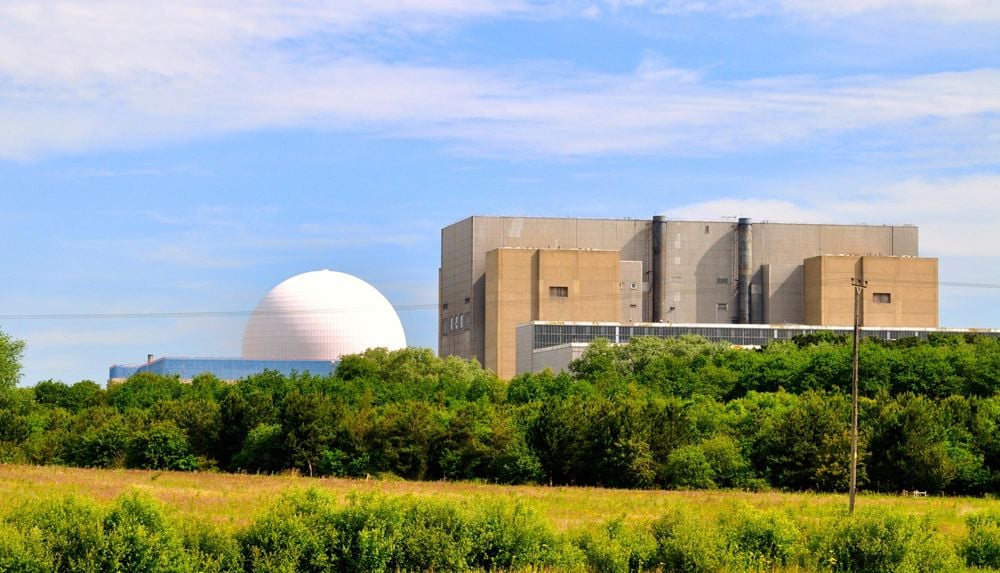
(305, 324)
(514, 290)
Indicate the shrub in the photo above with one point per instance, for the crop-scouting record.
(263, 450)
(728, 466)
(509, 535)
(208, 549)
(22, 552)
(296, 534)
(70, 530)
(618, 549)
(163, 446)
(982, 546)
(77, 536)
(761, 540)
(884, 542)
(378, 533)
(687, 543)
(688, 468)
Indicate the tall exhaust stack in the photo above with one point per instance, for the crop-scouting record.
(659, 240)
(744, 248)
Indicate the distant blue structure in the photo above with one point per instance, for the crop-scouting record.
(226, 369)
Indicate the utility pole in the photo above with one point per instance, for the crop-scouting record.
(859, 287)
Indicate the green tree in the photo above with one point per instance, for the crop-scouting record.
(162, 447)
(11, 351)
(808, 445)
(308, 421)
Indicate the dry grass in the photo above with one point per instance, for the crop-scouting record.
(235, 499)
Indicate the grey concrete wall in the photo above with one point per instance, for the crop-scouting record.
(628, 236)
(701, 271)
(784, 247)
(456, 285)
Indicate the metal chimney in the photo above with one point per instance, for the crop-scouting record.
(658, 236)
(744, 249)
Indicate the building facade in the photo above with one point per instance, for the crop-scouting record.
(497, 272)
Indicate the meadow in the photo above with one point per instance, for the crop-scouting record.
(586, 517)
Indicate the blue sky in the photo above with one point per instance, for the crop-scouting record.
(187, 156)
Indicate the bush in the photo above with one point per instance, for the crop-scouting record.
(688, 468)
(728, 466)
(296, 534)
(617, 549)
(70, 530)
(163, 446)
(884, 542)
(687, 543)
(77, 536)
(509, 535)
(22, 552)
(982, 546)
(263, 450)
(308, 532)
(761, 540)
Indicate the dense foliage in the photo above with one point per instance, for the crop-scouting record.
(310, 531)
(674, 413)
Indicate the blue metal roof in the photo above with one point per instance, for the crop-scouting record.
(221, 368)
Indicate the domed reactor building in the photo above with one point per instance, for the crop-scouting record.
(305, 324)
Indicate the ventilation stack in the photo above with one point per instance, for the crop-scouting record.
(744, 248)
(659, 240)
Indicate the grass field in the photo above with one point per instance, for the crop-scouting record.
(235, 500)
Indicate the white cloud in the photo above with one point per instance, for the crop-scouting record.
(957, 217)
(950, 11)
(80, 76)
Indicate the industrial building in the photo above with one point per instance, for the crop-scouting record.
(305, 324)
(225, 369)
(553, 345)
(500, 272)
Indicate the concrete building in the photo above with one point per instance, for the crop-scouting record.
(497, 272)
(900, 291)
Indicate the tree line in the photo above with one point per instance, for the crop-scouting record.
(663, 413)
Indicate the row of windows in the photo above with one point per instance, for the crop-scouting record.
(547, 335)
(457, 322)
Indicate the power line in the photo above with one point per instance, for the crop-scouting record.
(402, 307)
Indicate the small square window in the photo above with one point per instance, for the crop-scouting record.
(632, 286)
(468, 300)
(559, 291)
(722, 306)
(444, 306)
(706, 229)
(882, 298)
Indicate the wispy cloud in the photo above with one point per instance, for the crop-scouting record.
(938, 10)
(78, 76)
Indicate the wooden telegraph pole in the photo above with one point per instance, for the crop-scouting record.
(859, 287)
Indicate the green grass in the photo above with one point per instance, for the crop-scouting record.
(237, 498)
(234, 501)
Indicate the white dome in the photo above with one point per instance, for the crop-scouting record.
(321, 315)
